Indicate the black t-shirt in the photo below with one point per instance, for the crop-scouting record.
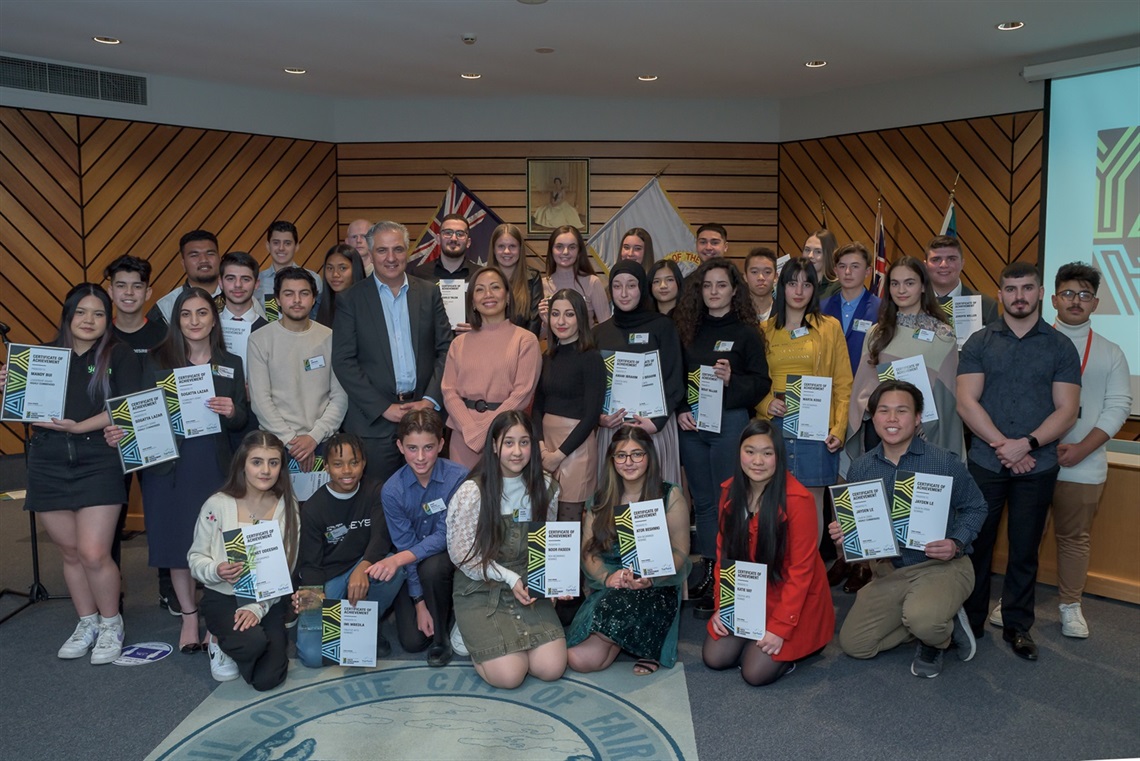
(337, 533)
(125, 373)
(145, 338)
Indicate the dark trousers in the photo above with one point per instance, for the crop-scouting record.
(259, 651)
(1028, 499)
(436, 577)
(383, 458)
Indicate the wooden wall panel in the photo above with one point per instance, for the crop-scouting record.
(997, 198)
(732, 183)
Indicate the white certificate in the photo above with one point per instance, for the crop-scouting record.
(236, 335)
(929, 503)
(748, 584)
(454, 293)
(195, 387)
(710, 400)
(305, 485)
(651, 535)
(554, 565)
(913, 370)
(36, 388)
(808, 399)
(358, 624)
(861, 509)
(635, 384)
(780, 262)
(265, 554)
(967, 317)
(148, 436)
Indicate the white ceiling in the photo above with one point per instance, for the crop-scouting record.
(699, 48)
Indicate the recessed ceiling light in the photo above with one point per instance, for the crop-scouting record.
(107, 40)
(648, 77)
(816, 64)
(1010, 26)
(544, 51)
(294, 70)
(470, 75)
(532, 2)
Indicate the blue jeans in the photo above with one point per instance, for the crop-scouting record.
(310, 628)
(710, 459)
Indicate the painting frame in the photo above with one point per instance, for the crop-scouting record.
(557, 193)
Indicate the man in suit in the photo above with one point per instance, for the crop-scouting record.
(390, 341)
(944, 261)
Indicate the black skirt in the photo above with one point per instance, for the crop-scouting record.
(69, 471)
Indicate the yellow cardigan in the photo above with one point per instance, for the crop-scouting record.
(832, 362)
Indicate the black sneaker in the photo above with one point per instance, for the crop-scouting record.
(383, 646)
(439, 656)
(927, 661)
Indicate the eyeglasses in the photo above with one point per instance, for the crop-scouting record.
(1083, 296)
(459, 234)
(637, 455)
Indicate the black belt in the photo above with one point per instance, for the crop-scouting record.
(405, 396)
(481, 406)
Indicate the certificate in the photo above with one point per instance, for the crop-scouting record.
(454, 293)
(744, 598)
(710, 400)
(861, 509)
(808, 402)
(348, 636)
(305, 485)
(272, 309)
(554, 559)
(265, 568)
(633, 383)
(643, 538)
(912, 370)
(148, 437)
(966, 317)
(236, 335)
(36, 388)
(195, 386)
(921, 508)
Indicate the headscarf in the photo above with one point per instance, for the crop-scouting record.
(640, 314)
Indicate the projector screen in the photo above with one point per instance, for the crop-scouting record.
(1092, 198)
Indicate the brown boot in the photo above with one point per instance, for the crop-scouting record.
(858, 578)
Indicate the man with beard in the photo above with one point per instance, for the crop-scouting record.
(199, 250)
(452, 262)
(1019, 385)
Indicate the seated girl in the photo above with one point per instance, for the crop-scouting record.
(626, 612)
(507, 632)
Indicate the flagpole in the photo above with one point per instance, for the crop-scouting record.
(823, 211)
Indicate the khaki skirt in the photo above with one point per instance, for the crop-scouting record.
(577, 476)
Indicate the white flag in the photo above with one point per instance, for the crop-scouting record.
(651, 209)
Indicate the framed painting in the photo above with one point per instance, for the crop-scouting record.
(557, 194)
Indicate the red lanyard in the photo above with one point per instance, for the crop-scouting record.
(1088, 348)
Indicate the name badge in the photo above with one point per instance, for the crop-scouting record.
(223, 371)
(315, 363)
(862, 326)
(435, 506)
(799, 332)
(638, 338)
(723, 346)
(522, 515)
(924, 335)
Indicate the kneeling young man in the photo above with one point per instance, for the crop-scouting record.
(919, 594)
(343, 534)
(415, 506)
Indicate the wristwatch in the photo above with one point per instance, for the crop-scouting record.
(417, 599)
(1033, 444)
(959, 549)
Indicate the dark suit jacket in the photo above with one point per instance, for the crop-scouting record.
(362, 356)
(867, 309)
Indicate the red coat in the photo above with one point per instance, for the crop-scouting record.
(799, 606)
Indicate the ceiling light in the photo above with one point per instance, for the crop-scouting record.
(1010, 26)
(816, 64)
(294, 70)
(648, 77)
(470, 75)
(544, 51)
(532, 2)
(107, 40)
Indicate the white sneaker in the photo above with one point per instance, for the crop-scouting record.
(1073, 622)
(995, 615)
(457, 641)
(109, 645)
(222, 667)
(81, 640)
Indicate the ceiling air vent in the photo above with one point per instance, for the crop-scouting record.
(24, 74)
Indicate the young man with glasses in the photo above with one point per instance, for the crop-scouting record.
(452, 262)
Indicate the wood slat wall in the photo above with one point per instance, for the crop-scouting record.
(997, 198)
(731, 183)
(77, 192)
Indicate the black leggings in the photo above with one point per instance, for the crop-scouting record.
(259, 651)
(756, 666)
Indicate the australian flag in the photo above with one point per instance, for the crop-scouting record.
(458, 200)
(879, 277)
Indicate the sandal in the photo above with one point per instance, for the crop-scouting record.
(189, 648)
(645, 667)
